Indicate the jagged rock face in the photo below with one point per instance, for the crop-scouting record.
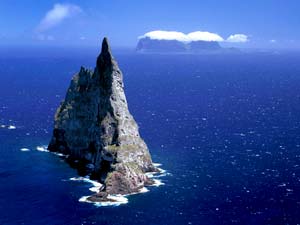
(152, 45)
(93, 125)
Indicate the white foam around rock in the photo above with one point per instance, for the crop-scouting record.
(42, 148)
(143, 190)
(157, 164)
(157, 183)
(116, 200)
(96, 185)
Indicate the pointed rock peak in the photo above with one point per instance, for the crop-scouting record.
(105, 46)
(105, 59)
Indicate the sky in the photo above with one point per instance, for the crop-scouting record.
(264, 23)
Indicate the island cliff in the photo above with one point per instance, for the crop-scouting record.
(94, 127)
(147, 44)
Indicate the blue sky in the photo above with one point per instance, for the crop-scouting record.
(267, 23)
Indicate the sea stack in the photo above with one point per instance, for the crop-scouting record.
(94, 127)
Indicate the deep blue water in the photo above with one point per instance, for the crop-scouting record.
(227, 128)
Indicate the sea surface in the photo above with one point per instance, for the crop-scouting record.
(226, 128)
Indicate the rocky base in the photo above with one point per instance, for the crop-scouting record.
(100, 197)
(123, 181)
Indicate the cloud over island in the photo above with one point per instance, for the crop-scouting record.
(193, 36)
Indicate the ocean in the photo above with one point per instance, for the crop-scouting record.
(226, 128)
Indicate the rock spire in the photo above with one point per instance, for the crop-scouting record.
(95, 128)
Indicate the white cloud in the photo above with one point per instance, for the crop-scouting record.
(179, 36)
(57, 14)
(166, 35)
(193, 36)
(237, 38)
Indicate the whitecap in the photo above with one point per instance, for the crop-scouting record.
(11, 127)
(162, 175)
(157, 183)
(24, 149)
(157, 164)
(162, 170)
(117, 200)
(143, 190)
(57, 153)
(150, 174)
(84, 199)
(94, 189)
(42, 148)
(96, 185)
(77, 178)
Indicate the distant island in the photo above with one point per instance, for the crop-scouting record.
(94, 127)
(148, 45)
